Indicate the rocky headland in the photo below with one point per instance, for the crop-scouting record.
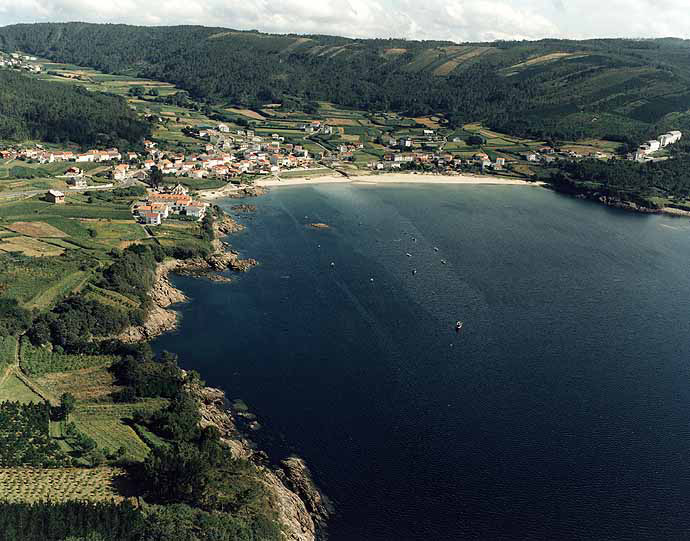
(301, 508)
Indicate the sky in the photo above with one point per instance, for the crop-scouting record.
(454, 20)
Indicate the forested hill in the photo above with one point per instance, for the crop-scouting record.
(33, 109)
(624, 89)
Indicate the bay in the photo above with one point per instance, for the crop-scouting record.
(562, 409)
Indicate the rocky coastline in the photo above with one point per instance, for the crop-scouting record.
(301, 508)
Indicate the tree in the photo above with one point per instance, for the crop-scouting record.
(136, 91)
(178, 473)
(154, 92)
(155, 177)
(67, 403)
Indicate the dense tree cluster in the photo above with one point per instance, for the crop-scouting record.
(133, 271)
(33, 109)
(75, 321)
(145, 376)
(13, 318)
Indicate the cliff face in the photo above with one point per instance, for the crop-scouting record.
(160, 319)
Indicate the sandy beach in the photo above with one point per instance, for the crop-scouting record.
(380, 179)
(397, 178)
(300, 181)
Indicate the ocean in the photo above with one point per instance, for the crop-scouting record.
(560, 411)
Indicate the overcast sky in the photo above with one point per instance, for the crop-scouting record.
(456, 20)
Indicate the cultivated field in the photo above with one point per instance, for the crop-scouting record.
(60, 485)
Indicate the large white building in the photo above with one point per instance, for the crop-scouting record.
(670, 138)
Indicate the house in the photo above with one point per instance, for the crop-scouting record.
(179, 189)
(120, 171)
(532, 157)
(160, 208)
(152, 218)
(196, 209)
(223, 128)
(88, 157)
(54, 196)
(74, 172)
(79, 182)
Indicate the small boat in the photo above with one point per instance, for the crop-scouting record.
(435, 249)
(332, 264)
(444, 261)
(408, 254)
(458, 326)
(414, 271)
(371, 280)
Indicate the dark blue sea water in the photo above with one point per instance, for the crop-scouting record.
(562, 410)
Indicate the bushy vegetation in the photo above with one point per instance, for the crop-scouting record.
(13, 318)
(32, 109)
(144, 376)
(75, 321)
(133, 271)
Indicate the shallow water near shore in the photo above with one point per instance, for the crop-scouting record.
(562, 409)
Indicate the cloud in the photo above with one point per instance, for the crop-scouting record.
(456, 20)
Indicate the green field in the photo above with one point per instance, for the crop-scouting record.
(69, 283)
(13, 389)
(109, 425)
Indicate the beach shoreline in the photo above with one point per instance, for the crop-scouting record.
(397, 178)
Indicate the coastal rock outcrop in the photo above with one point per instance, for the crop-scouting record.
(298, 478)
(301, 508)
(159, 318)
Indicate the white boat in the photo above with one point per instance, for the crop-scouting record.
(458, 326)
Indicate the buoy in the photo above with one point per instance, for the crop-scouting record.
(332, 264)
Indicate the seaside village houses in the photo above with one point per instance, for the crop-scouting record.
(226, 154)
(161, 205)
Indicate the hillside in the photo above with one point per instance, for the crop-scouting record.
(620, 89)
(31, 109)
